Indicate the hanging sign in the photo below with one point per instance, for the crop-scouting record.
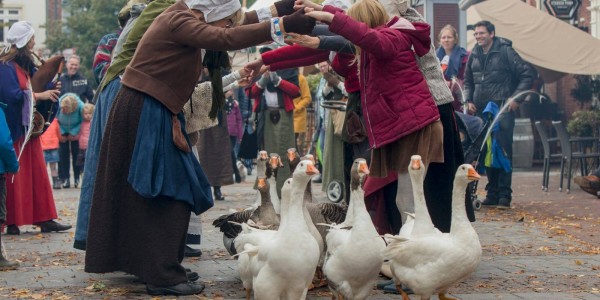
(562, 9)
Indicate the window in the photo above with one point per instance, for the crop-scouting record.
(13, 12)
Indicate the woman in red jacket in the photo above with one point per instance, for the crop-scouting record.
(401, 117)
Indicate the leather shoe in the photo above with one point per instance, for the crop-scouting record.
(79, 245)
(50, 226)
(191, 252)
(218, 195)
(185, 288)
(13, 230)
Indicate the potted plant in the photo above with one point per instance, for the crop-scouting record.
(584, 123)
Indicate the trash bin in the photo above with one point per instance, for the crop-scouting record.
(523, 144)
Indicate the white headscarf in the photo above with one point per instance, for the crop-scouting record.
(343, 4)
(20, 33)
(215, 10)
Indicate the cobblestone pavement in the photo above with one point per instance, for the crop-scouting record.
(545, 247)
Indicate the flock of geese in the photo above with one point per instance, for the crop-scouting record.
(286, 246)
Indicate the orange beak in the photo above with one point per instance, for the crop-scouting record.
(415, 164)
(274, 163)
(263, 155)
(291, 154)
(261, 183)
(472, 174)
(363, 168)
(311, 169)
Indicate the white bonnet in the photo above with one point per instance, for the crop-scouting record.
(343, 4)
(20, 33)
(215, 10)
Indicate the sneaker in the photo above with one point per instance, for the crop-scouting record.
(489, 202)
(503, 203)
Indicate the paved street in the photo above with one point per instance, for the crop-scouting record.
(546, 247)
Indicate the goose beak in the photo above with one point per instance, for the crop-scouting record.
(363, 168)
(261, 183)
(263, 155)
(291, 154)
(473, 175)
(311, 169)
(415, 164)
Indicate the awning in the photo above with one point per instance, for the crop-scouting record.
(550, 44)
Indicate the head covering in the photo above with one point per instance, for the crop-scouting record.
(343, 4)
(395, 8)
(215, 10)
(20, 33)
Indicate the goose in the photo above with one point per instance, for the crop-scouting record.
(263, 215)
(250, 238)
(354, 255)
(261, 170)
(430, 264)
(273, 164)
(285, 264)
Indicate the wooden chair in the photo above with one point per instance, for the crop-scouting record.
(572, 149)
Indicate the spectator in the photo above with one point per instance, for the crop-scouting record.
(273, 94)
(236, 131)
(74, 82)
(50, 144)
(300, 105)
(494, 73)
(70, 117)
(453, 59)
(84, 135)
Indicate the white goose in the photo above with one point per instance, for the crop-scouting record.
(250, 238)
(430, 264)
(273, 164)
(354, 255)
(290, 258)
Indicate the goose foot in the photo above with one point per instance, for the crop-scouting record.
(402, 292)
(443, 296)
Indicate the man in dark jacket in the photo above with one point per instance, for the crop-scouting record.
(74, 82)
(495, 72)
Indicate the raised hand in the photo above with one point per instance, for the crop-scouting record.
(322, 16)
(302, 40)
(298, 22)
(300, 4)
(254, 67)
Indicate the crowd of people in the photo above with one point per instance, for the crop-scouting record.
(148, 136)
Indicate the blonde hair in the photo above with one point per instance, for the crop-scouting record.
(69, 104)
(237, 17)
(370, 12)
(452, 29)
(88, 107)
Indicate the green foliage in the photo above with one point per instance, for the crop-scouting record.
(313, 82)
(87, 23)
(584, 123)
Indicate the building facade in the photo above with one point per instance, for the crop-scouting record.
(34, 11)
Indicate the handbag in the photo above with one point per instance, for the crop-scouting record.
(196, 110)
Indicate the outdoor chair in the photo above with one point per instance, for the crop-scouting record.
(573, 149)
(548, 155)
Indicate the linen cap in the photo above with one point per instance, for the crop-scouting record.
(20, 33)
(215, 10)
(343, 4)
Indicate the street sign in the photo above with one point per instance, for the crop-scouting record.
(562, 9)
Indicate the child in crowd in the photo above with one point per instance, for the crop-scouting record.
(8, 164)
(50, 145)
(70, 118)
(84, 135)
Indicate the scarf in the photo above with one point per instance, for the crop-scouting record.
(214, 61)
(456, 58)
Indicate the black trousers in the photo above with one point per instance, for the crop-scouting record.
(499, 181)
(64, 165)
